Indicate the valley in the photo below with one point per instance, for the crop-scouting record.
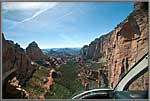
(61, 73)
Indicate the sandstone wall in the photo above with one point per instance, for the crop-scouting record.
(13, 56)
(122, 47)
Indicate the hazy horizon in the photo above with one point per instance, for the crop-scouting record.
(61, 47)
(61, 24)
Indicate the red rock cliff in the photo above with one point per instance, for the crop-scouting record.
(122, 47)
(34, 52)
(13, 56)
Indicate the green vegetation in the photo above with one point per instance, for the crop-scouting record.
(64, 87)
(35, 85)
(69, 77)
(42, 72)
(89, 64)
(58, 91)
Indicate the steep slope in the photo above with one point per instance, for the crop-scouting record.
(13, 56)
(122, 47)
(15, 63)
(34, 52)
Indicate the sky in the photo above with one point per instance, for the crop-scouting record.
(61, 24)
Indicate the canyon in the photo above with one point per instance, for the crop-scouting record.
(31, 73)
(19, 67)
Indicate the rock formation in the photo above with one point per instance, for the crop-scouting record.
(122, 47)
(13, 56)
(34, 52)
(15, 62)
(15, 90)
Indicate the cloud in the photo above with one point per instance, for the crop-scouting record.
(61, 17)
(38, 13)
(27, 7)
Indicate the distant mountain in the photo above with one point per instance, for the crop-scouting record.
(45, 50)
(61, 51)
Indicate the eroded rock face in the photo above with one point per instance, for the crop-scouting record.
(14, 89)
(138, 5)
(122, 47)
(34, 52)
(14, 58)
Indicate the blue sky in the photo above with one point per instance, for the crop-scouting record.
(61, 24)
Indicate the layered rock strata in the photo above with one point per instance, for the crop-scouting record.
(122, 47)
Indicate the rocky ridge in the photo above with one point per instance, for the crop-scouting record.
(15, 57)
(122, 47)
(34, 52)
(15, 63)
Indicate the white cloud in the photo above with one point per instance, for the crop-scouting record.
(61, 17)
(26, 5)
(47, 6)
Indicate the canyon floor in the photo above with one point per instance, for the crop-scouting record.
(72, 80)
(61, 87)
